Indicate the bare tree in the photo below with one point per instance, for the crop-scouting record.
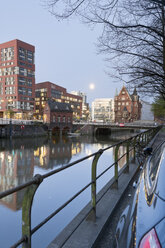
(133, 37)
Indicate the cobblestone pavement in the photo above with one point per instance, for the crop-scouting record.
(107, 238)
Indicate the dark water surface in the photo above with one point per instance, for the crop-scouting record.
(21, 159)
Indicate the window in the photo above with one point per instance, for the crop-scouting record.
(64, 119)
(59, 119)
(54, 119)
(24, 91)
(9, 90)
(125, 115)
(9, 80)
(23, 71)
(7, 53)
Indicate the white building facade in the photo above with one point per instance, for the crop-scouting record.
(103, 110)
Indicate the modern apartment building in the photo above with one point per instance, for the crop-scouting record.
(49, 91)
(85, 105)
(103, 109)
(17, 79)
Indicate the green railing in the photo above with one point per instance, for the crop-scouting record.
(132, 144)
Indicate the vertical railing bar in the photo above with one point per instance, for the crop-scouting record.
(127, 155)
(116, 165)
(26, 211)
(93, 186)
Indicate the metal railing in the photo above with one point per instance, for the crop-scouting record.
(6, 121)
(132, 144)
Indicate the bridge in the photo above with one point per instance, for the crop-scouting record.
(85, 229)
(13, 127)
(93, 128)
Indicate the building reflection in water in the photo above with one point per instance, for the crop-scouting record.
(57, 152)
(16, 167)
(121, 152)
(17, 161)
(19, 156)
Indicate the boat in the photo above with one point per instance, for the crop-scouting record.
(74, 134)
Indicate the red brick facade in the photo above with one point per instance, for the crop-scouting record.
(57, 113)
(47, 90)
(127, 107)
(17, 78)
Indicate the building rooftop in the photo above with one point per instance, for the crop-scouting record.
(59, 106)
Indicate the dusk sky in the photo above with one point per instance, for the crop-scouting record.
(66, 53)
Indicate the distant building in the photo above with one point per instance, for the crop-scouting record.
(103, 110)
(85, 105)
(17, 79)
(57, 113)
(49, 91)
(127, 107)
(146, 113)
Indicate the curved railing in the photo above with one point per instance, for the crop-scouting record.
(132, 144)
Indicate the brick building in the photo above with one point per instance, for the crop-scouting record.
(46, 90)
(127, 107)
(57, 112)
(17, 79)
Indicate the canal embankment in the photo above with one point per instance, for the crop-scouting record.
(15, 131)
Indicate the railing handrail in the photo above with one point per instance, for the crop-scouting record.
(34, 183)
(36, 177)
(18, 121)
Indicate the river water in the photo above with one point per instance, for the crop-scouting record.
(21, 159)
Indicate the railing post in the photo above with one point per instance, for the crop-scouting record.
(116, 166)
(134, 148)
(93, 188)
(145, 135)
(26, 210)
(127, 156)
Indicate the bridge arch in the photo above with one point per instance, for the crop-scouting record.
(56, 130)
(65, 130)
(102, 131)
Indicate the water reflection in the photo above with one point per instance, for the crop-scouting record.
(121, 152)
(19, 157)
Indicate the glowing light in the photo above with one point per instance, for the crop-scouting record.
(91, 86)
